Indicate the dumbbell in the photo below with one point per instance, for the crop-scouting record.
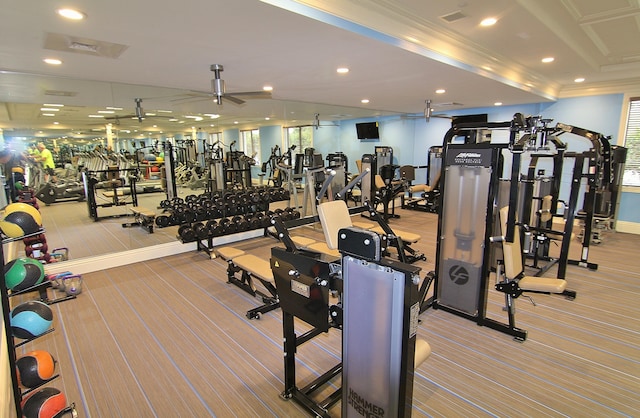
(176, 201)
(255, 221)
(186, 233)
(241, 223)
(201, 214)
(163, 221)
(228, 227)
(189, 216)
(215, 229)
(201, 230)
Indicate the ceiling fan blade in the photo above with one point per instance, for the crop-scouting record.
(252, 94)
(233, 99)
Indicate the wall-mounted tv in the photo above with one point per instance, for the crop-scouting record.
(367, 130)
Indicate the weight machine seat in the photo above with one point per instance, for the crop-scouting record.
(363, 224)
(420, 188)
(314, 245)
(323, 248)
(404, 235)
(514, 269)
(303, 241)
(334, 216)
(423, 351)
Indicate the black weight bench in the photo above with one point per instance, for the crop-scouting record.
(251, 267)
(142, 217)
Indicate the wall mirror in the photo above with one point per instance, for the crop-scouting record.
(93, 124)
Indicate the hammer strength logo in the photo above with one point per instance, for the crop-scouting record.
(459, 275)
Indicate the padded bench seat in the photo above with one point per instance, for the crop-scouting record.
(229, 253)
(258, 267)
(251, 267)
(303, 241)
(542, 284)
(404, 235)
(140, 211)
(323, 248)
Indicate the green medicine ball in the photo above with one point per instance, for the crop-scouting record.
(23, 273)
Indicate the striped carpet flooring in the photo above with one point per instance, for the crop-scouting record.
(169, 338)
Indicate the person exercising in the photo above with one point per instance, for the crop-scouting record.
(46, 158)
(13, 169)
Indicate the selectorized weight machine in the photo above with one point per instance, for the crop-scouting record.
(379, 349)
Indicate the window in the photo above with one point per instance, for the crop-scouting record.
(300, 136)
(250, 143)
(632, 143)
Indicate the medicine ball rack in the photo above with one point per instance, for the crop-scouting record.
(11, 345)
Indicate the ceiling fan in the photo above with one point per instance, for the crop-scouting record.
(317, 124)
(429, 109)
(219, 94)
(139, 113)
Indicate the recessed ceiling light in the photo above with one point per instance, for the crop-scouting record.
(497, 104)
(547, 60)
(212, 115)
(267, 118)
(108, 112)
(267, 88)
(71, 14)
(489, 21)
(113, 108)
(48, 114)
(342, 70)
(49, 109)
(441, 91)
(364, 101)
(52, 105)
(579, 80)
(52, 61)
(56, 123)
(236, 122)
(96, 116)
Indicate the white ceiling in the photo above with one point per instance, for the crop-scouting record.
(398, 51)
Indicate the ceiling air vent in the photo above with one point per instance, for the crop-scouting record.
(60, 93)
(452, 17)
(68, 43)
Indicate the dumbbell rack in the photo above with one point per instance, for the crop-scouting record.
(11, 345)
(237, 211)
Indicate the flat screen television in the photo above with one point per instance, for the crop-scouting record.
(367, 130)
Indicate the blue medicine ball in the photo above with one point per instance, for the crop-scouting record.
(30, 319)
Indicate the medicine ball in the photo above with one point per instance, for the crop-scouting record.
(30, 319)
(20, 219)
(35, 368)
(44, 403)
(23, 273)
